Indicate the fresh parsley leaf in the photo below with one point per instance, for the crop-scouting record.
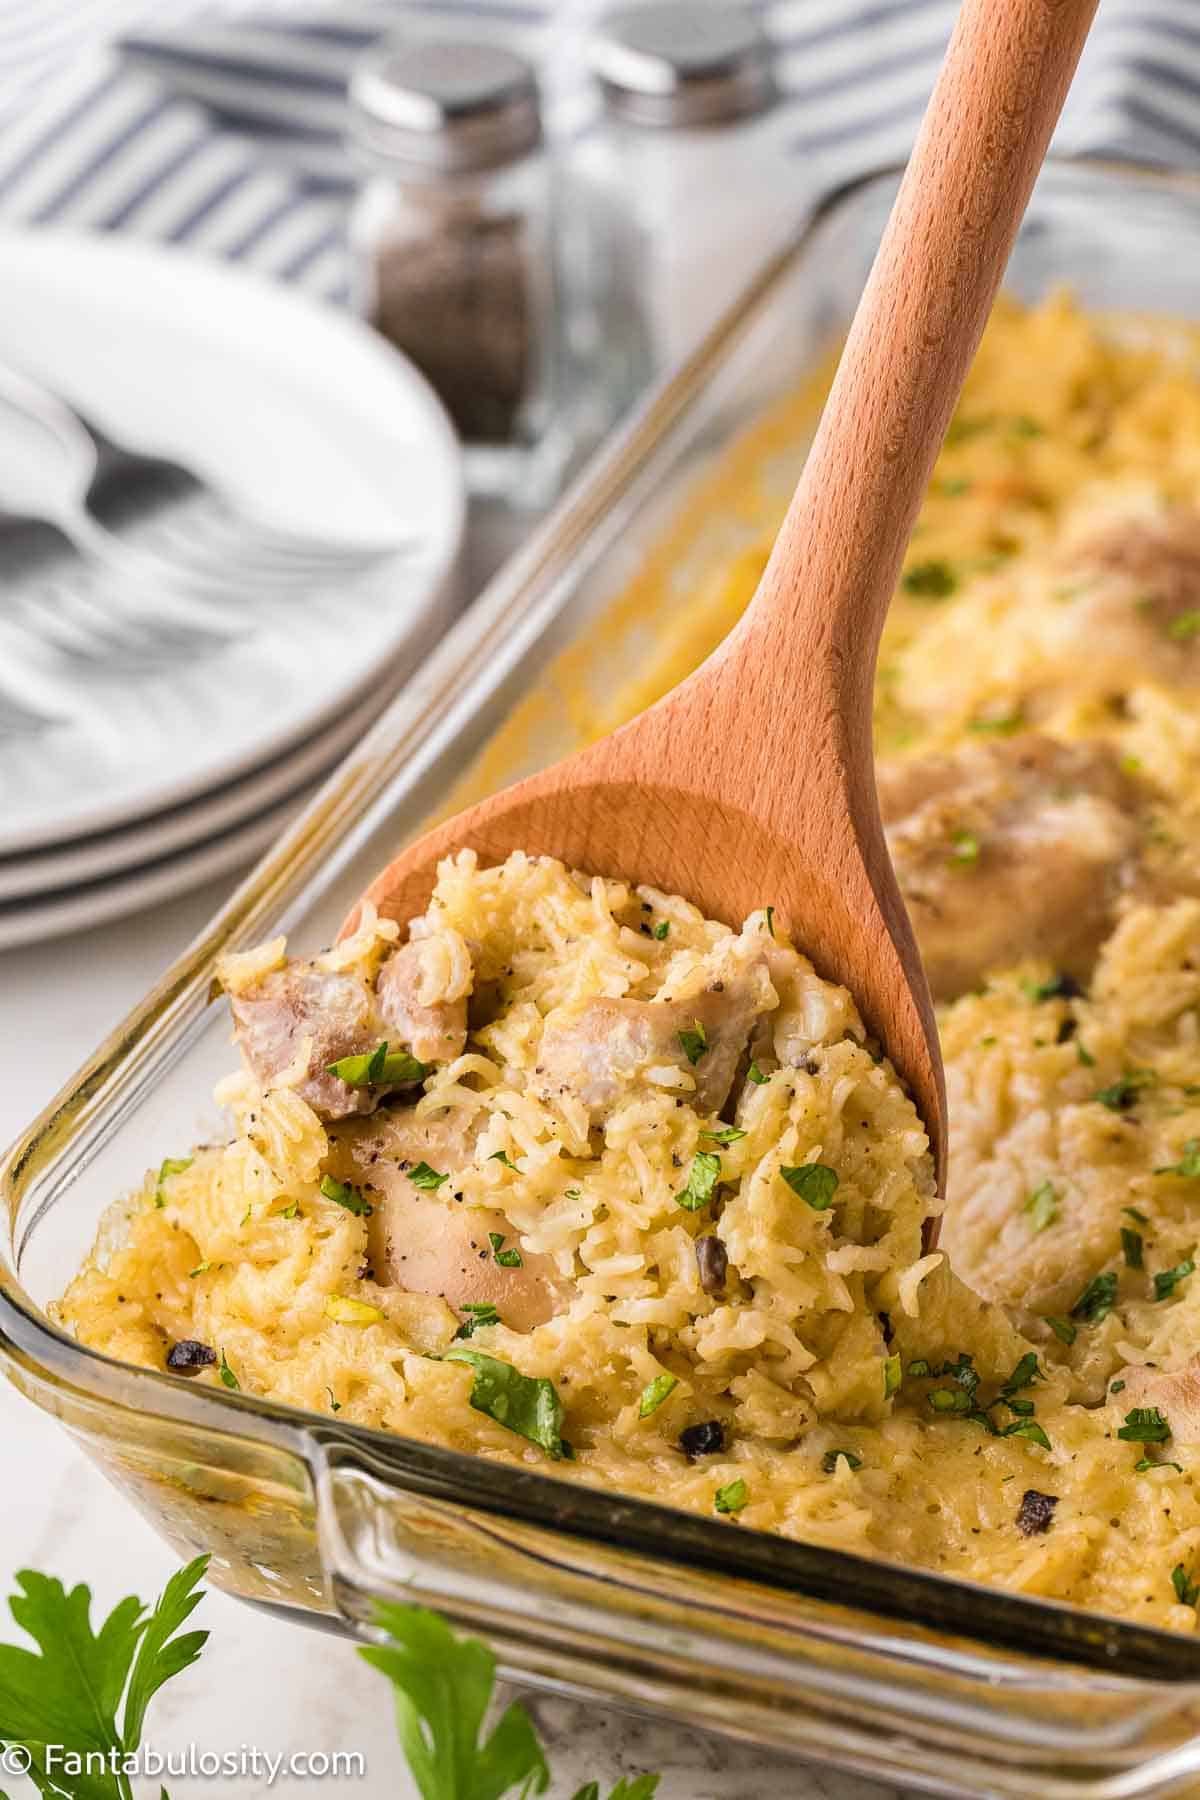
(482, 1313)
(380, 1067)
(526, 1404)
(919, 1367)
(1133, 1245)
(964, 848)
(1063, 1329)
(1131, 1212)
(228, 1378)
(1145, 1425)
(290, 1210)
(661, 929)
(755, 1074)
(425, 1178)
(1167, 1280)
(693, 1041)
(654, 1395)
(1042, 1206)
(502, 1156)
(1023, 1376)
(342, 1194)
(1084, 1056)
(1122, 1093)
(933, 580)
(1187, 1592)
(88, 1691)
(170, 1165)
(892, 1375)
(1097, 1299)
(814, 1182)
(702, 1181)
(728, 1134)
(505, 1259)
(1188, 1165)
(1058, 987)
(949, 1400)
(443, 1687)
(1027, 1428)
(1149, 1462)
(732, 1497)
(829, 1461)
(769, 914)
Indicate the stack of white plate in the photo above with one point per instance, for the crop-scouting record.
(127, 778)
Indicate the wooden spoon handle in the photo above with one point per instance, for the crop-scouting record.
(826, 589)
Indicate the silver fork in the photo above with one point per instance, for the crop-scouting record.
(158, 519)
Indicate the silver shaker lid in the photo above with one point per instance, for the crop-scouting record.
(682, 62)
(444, 108)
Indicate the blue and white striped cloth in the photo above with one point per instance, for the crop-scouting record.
(221, 128)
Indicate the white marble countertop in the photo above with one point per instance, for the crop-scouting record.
(261, 1683)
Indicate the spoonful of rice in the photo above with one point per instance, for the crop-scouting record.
(752, 783)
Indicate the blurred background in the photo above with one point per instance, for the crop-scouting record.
(309, 313)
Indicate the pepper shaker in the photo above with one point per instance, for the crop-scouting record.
(452, 240)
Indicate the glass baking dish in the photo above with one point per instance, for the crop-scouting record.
(904, 1675)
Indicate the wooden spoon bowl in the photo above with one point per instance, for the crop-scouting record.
(753, 784)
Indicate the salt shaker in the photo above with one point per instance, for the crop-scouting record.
(452, 239)
(687, 87)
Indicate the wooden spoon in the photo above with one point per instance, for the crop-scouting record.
(752, 783)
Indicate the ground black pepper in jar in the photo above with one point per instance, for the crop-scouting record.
(451, 234)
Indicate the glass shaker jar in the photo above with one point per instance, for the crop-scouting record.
(687, 145)
(452, 241)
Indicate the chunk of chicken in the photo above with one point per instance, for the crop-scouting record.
(594, 1049)
(329, 1015)
(1011, 849)
(1131, 602)
(1177, 1396)
(431, 1241)
(435, 1031)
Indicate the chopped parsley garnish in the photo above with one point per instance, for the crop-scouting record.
(526, 1404)
(654, 1395)
(933, 580)
(482, 1313)
(702, 1181)
(1188, 1165)
(291, 1210)
(965, 848)
(769, 913)
(334, 1405)
(1144, 1425)
(962, 1400)
(505, 1259)
(1084, 1055)
(1063, 1329)
(1042, 1206)
(693, 1042)
(732, 1497)
(228, 1378)
(728, 1134)
(755, 1074)
(950, 1400)
(1167, 1280)
(201, 1268)
(1149, 1462)
(1023, 1376)
(170, 1165)
(1058, 987)
(1131, 1212)
(661, 929)
(1120, 1096)
(1184, 626)
(829, 1461)
(814, 1182)
(379, 1068)
(425, 1178)
(1025, 427)
(1027, 1428)
(1133, 1246)
(1097, 1299)
(920, 1366)
(996, 724)
(502, 1156)
(1187, 1592)
(892, 1375)
(342, 1194)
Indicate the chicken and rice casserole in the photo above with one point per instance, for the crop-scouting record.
(567, 1174)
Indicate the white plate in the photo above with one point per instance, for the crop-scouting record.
(78, 909)
(313, 423)
(44, 872)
